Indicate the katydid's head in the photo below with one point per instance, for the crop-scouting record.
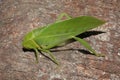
(28, 42)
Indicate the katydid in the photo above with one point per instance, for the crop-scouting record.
(47, 37)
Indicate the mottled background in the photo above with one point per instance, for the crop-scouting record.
(17, 17)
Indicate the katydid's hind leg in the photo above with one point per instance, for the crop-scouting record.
(87, 46)
(62, 15)
(36, 55)
(52, 56)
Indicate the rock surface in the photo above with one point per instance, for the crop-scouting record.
(17, 17)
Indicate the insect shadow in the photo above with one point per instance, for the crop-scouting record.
(83, 35)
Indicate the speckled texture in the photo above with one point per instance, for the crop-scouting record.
(17, 17)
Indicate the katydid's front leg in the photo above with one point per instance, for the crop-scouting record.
(36, 55)
(86, 45)
(51, 55)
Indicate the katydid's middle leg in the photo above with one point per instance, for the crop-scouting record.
(51, 55)
(62, 15)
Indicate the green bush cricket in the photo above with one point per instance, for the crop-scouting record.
(47, 37)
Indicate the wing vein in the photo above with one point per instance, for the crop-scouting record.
(57, 35)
